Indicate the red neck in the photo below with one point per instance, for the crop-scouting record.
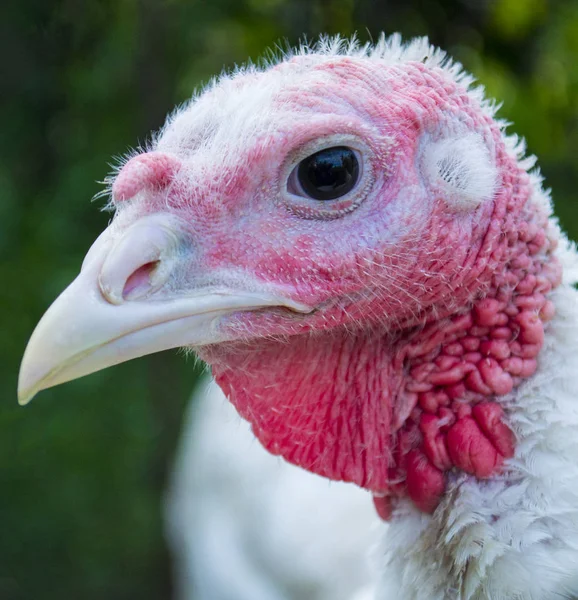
(393, 416)
(322, 401)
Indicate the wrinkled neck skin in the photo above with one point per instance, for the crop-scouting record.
(515, 534)
(465, 429)
(320, 400)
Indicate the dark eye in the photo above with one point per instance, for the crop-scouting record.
(327, 174)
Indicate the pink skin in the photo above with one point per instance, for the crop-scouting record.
(147, 172)
(425, 317)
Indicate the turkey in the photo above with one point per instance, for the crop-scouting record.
(370, 266)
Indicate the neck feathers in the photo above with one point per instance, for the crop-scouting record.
(514, 535)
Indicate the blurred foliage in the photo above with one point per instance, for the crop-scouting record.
(83, 469)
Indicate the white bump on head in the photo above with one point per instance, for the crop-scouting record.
(462, 169)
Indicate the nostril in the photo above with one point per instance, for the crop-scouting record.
(141, 261)
(139, 283)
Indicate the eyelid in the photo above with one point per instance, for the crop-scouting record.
(294, 185)
(315, 145)
(307, 208)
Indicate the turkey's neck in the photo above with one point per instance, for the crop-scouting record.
(514, 535)
(322, 401)
(397, 416)
(401, 410)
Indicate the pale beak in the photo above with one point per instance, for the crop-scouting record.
(118, 309)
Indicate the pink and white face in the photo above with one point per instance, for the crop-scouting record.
(326, 191)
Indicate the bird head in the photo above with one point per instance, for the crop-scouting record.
(340, 235)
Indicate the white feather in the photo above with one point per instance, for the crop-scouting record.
(245, 525)
(515, 537)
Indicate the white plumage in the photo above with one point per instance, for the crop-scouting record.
(514, 537)
(245, 525)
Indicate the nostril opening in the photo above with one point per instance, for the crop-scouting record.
(141, 261)
(139, 282)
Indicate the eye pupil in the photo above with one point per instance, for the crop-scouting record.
(329, 173)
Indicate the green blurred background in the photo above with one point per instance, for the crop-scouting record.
(83, 469)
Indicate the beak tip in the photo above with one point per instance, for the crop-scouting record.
(25, 396)
(28, 385)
